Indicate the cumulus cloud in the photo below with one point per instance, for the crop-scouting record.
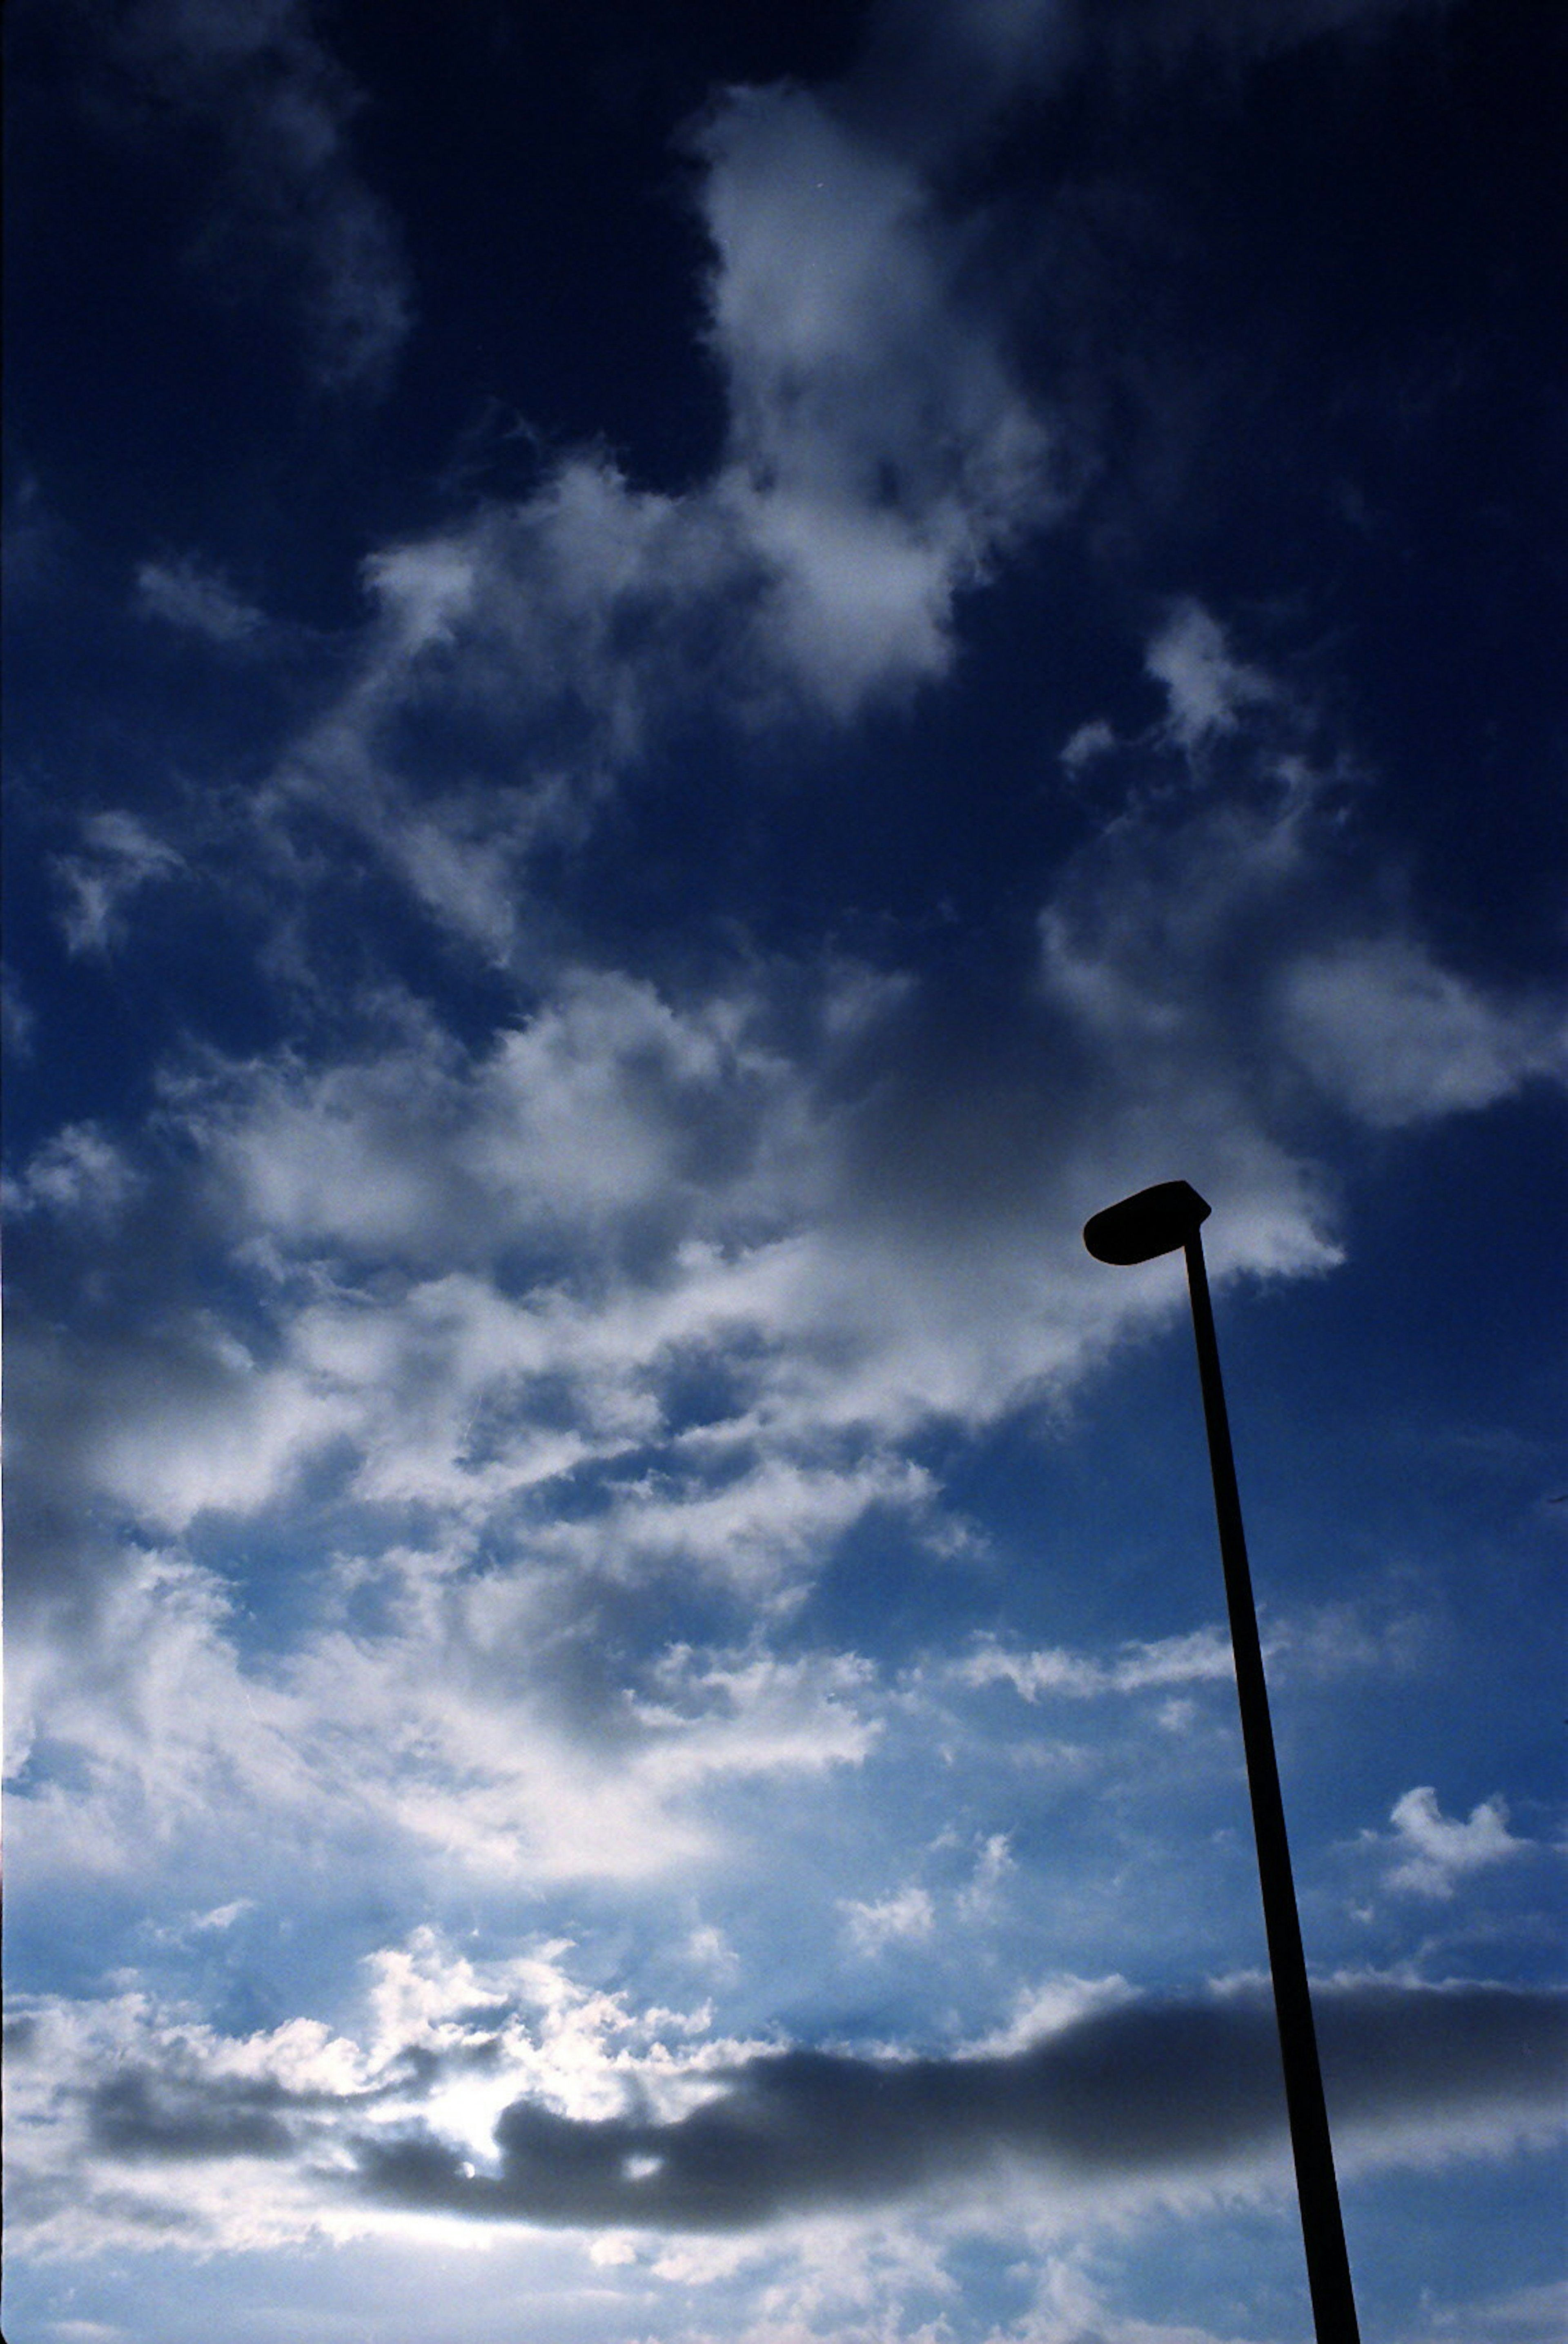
(654, 1289)
(881, 455)
(1237, 977)
(1090, 742)
(1436, 1853)
(873, 1925)
(479, 1731)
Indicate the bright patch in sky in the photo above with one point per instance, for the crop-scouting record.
(680, 682)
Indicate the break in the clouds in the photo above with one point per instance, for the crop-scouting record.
(613, 1662)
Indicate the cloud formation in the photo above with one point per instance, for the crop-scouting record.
(881, 455)
(509, 2092)
(288, 195)
(186, 595)
(1437, 1851)
(1142, 2092)
(119, 856)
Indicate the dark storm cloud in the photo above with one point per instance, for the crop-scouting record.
(1147, 2093)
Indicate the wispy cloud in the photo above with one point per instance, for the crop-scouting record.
(119, 856)
(288, 195)
(1208, 689)
(185, 594)
(881, 455)
(78, 1173)
(1396, 1038)
(1199, 1658)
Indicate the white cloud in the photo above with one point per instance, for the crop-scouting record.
(1202, 1657)
(1233, 975)
(1207, 687)
(874, 1925)
(475, 1733)
(79, 1172)
(224, 1917)
(1394, 1038)
(1091, 741)
(1436, 1853)
(121, 856)
(977, 1898)
(881, 455)
(186, 594)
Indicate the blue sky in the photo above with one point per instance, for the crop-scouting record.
(680, 680)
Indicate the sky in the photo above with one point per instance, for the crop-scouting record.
(681, 679)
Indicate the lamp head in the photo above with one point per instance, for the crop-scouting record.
(1157, 1220)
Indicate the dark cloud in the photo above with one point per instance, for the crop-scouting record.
(141, 2114)
(1143, 2092)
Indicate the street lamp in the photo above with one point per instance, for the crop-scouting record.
(1156, 1221)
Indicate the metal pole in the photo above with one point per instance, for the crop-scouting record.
(1322, 2231)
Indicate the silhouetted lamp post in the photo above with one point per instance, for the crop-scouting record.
(1156, 1221)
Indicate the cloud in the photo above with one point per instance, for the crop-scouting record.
(479, 1731)
(881, 451)
(1207, 688)
(121, 857)
(1144, 2091)
(1388, 1033)
(1091, 741)
(1243, 29)
(287, 197)
(907, 1913)
(652, 1288)
(977, 1898)
(1437, 1853)
(1202, 1657)
(1235, 973)
(78, 1173)
(136, 2115)
(16, 1020)
(186, 595)
(644, 2123)
(881, 455)
(507, 2089)
(1325, 1643)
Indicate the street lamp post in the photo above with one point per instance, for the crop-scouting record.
(1156, 1221)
